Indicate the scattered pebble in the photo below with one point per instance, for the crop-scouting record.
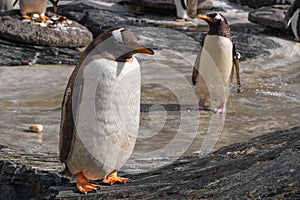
(53, 22)
(36, 128)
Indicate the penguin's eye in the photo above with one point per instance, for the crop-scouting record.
(118, 43)
(217, 18)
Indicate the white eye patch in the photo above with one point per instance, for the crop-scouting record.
(218, 17)
(117, 35)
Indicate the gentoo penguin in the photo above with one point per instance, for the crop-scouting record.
(33, 6)
(100, 109)
(292, 18)
(181, 10)
(215, 63)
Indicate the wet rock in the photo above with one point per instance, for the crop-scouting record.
(265, 167)
(21, 182)
(248, 45)
(8, 192)
(99, 20)
(165, 6)
(163, 32)
(162, 38)
(6, 5)
(152, 34)
(73, 35)
(192, 6)
(272, 17)
(260, 3)
(14, 54)
(204, 5)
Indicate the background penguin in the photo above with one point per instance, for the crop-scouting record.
(215, 63)
(292, 18)
(33, 6)
(101, 108)
(181, 10)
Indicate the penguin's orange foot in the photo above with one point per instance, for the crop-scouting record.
(26, 17)
(114, 178)
(83, 185)
(44, 18)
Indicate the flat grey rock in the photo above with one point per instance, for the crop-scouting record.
(261, 3)
(6, 5)
(272, 17)
(167, 4)
(15, 53)
(73, 35)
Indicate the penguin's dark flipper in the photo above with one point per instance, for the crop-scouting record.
(237, 69)
(232, 72)
(194, 76)
(196, 68)
(236, 57)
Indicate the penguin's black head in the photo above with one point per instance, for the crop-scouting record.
(126, 44)
(217, 24)
(116, 44)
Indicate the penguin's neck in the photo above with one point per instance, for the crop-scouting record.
(129, 60)
(221, 31)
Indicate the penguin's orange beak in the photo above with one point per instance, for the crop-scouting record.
(205, 17)
(141, 49)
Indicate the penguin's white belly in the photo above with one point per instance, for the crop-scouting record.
(215, 67)
(107, 117)
(33, 6)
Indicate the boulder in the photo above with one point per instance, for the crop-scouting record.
(14, 54)
(73, 35)
(260, 3)
(272, 17)
(6, 5)
(166, 6)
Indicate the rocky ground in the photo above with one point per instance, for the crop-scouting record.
(16, 50)
(266, 167)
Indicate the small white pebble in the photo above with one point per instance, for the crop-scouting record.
(26, 20)
(36, 128)
(69, 21)
(55, 17)
(43, 24)
(35, 16)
